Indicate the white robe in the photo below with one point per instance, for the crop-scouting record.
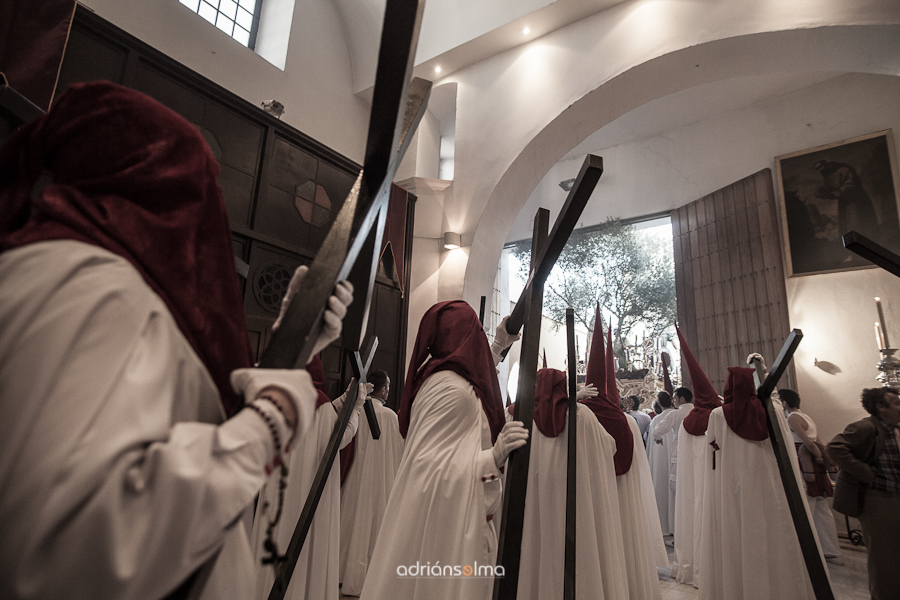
(365, 494)
(749, 548)
(670, 421)
(446, 487)
(658, 455)
(316, 573)
(695, 460)
(643, 546)
(599, 566)
(116, 482)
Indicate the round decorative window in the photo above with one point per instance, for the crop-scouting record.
(270, 284)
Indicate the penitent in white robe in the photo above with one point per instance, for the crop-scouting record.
(694, 461)
(116, 482)
(316, 573)
(643, 545)
(600, 566)
(749, 548)
(365, 494)
(658, 456)
(446, 488)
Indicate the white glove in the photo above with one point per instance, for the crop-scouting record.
(760, 357)
(364, 390)
(586, 391)
(295, 383)
(512, 436)
(334, 312)
(504, 339)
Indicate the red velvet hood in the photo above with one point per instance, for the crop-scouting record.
(551, 399)
(451, 339)
(131, 176)
(705, 396)
(744, 413)
(608, 411)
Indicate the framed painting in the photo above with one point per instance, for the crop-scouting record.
(829, 190)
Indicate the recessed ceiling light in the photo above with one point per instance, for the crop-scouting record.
(437, 69)
(526, 31)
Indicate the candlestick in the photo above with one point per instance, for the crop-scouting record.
(887, 343)
(879, 337)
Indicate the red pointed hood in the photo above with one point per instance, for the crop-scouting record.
(606, 410)
(551, 399)
(705, 396)
(744, 413)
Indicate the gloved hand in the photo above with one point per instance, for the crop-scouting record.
(295, 383)
(502, 338)
(512, 436)
(760, 357)
(586, 391)
(364, 390)
(334, 312)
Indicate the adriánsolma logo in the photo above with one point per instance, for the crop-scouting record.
(439, 570)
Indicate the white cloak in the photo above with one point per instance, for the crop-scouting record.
(600, 571)
(658, 455)
(116, 482)
(748, 545)
(365, 494)
(316, 573)
(446, 488)
(695, 460)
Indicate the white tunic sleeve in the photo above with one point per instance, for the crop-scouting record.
(112, 488)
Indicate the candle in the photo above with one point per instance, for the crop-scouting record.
(884, 335)
(879, 337)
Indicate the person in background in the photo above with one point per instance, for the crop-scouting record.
(643, 420)
(813, 463)
(868, 484)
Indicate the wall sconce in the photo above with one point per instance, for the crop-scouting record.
(452, 240)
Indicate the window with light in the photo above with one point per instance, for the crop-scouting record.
(237, 18)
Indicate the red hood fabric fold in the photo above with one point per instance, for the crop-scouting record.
(132, 177)
(744, 413)
(608, 411)
(705, 396)
(450, 338)
(551, 399)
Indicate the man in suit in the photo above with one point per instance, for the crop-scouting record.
(868, 484)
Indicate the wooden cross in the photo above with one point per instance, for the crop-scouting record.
(528, 309)
(571, 461)
(872, 252)
(818, 574)
(350, 250)
(360, 371)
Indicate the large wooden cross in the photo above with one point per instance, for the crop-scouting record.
(881, 256)
(528, 311)
(571, 461)
(350, 250)
(360, 367)
(818, 574)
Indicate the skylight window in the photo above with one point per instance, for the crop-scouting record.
(237, 18)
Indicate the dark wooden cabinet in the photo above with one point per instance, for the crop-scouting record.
(282, 189)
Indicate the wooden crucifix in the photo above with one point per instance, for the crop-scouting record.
(350, 250)
(818, 574)
(872, 252)
(360, 368)
(571, 461)
(528, 310)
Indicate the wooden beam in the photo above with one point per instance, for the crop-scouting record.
(815, 567)
(874, 253)
(360, 369)
(571, 461)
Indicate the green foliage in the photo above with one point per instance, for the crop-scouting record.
(631, 275)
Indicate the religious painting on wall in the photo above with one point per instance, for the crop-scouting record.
(830, 190)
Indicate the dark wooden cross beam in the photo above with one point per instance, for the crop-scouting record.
(510, 546)
(881, 256)
(765, 386)
(397, 108)
(360, 368)
(571, 461)
(590, 173)
(481, 310)
(543, 257)
(15, 109)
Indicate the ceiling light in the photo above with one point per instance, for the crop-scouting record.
(437, 69)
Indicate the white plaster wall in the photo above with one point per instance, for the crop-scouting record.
(519, 112)
(836, 312)
(315, 85)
